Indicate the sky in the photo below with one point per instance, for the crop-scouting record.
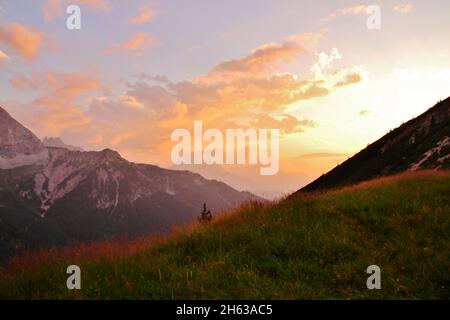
(138, 70)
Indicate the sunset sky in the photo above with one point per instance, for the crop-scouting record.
(137, 70)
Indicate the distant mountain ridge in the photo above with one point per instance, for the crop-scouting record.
(58, 143)
(72, 196)
(421, 143)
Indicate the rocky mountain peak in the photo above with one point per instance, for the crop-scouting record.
(18, 145)
(58, 143)
(111, 155)
(15, 138)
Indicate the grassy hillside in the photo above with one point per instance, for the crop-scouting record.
(310, 246)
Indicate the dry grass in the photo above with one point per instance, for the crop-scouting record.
(308, 246)
(121, 249)
(112, 250)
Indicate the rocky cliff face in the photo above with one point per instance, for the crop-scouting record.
(73, 196)
(18, 145)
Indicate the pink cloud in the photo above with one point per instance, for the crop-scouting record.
(56, 108)
(403, 8)
(145, 15)
(135, 44)
(67, 86)
(250, 91)
(354, 10)
(269, 56)
(25, 41)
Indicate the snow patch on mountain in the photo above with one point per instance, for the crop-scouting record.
(21, 160)
(101, 194)
(434, 151)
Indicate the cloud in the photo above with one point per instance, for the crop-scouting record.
(246, 95)
(99, 5)
(251, 91)
(323, 70)
(62, 85)
(56, 115)
(365, 112)
(137, 43)
(4, 58)
(156, 96)
(157, 78)
(354, 10)
(348, 77)
(269, 56)
(403, 8)
(52, 9)
(25, 41)
(324, 62)
(56, 8)
(23, 82)
(143, 117)
(56, 108)
(287, 123)
(245, 92)
(145, 15)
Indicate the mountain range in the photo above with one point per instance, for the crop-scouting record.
(52, 196)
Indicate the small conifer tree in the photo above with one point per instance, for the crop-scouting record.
(206, 214)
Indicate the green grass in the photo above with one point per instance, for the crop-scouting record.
(308, 247)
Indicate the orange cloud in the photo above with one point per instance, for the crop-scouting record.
(246, 92)
(354, 10)
(269, 56)
(138, 41)
(286, 122)
(403, 8)
(349, 78)
(25, 41)
(56, 104)
(136, 44)
(100, 5)
(52, 9)
(66, 86)
(145, 15)
(56, 115)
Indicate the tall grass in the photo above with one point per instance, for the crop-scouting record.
(306, 247)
